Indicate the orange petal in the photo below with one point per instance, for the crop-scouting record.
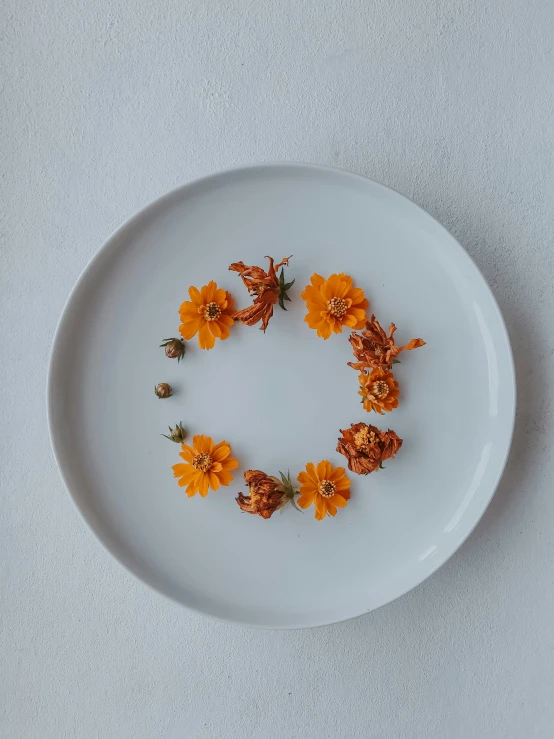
(208, 292)
(358, 298)
(185, 471)
(324, 470)
(190, 329)
(186, 453)
(306, 500)
(188, 309)
(320, 508)
(344, 285)
(229, 464)
(312, 474)
(324, 330)
(196, 297)
(340, 500)
(336, 474)
(317, 280)
(221, 451)
(225, 320)
(215, 329)
(206, 340)
(220, 296)
(206, 445)
(225, 477)
(216, 467)
(203, 487)
(214, 480)
(331, 509)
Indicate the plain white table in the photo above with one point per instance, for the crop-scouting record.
(106, 105)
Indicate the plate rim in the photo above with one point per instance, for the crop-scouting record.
(111, 244)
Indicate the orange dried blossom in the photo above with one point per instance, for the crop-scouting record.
(334, 303)
(379, 391)
(374, 348)
(324, 486)
(366, 447)
(267, 288)
(267, 493)
(205, 467)
(208, 313)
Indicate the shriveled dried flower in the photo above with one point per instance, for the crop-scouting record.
(178, 434)
(267, 288)
(366, 447)
(163, 390)
(267, 493)
(379, 391)
(174, 348)
(373, 348)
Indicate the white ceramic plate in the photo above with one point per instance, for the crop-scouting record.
(280, 398)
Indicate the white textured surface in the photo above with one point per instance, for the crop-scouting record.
(106, 105)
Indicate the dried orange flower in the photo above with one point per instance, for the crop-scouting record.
(373, 348)
(268, 289)
(366, 447)
(206, 466)
(379, 391)
(208, 313)
(267, 493)
(334, 303)
(326, 487)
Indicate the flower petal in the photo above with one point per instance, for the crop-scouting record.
(214, 480)
(195, 296)
(215, 329)
(306, 500)
(204, 485)
(324, 470)
(229, 464)
(206, 340)
(186, 453)
(190, 329)
(224, 477)
(221, 451)
(320, 508)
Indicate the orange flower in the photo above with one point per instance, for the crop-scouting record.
(366, 447)
(268, 289)
(206, 466)
(326, 487)
(208, 313)
(334, 303)
(373, 348)
(379, 391)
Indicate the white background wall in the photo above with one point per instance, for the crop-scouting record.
(105, 105)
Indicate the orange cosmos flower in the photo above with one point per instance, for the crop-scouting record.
(379, 391)
(326, 487)
(374, 348)
(206, 466)
(334, 303)
(208, 313)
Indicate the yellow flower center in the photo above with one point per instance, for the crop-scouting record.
(202, 462)
(326, 488)
(378, 351)
(212, 311)
(336, 307)
(379, 389)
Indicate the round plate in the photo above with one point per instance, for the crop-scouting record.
(280, 398)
